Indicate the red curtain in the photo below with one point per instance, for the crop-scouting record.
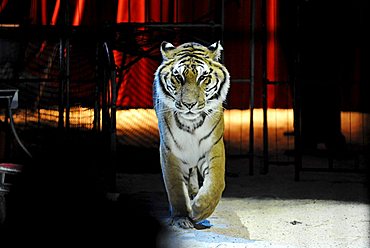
(135, 85)
(136, 82)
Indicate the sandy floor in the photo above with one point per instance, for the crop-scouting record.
(322, 210)
(280, 223)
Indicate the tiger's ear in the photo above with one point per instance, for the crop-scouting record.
(215, 50)
(167, 50)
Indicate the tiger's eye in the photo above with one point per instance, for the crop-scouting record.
(178, 77)
(203, 76)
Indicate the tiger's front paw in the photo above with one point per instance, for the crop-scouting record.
(201, 209)
(182, 222)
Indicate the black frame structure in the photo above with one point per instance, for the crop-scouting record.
(107, 71)
(294, 80)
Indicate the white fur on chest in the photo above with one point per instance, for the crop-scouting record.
(190, 147)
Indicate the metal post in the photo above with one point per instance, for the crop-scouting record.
(67, 86)
(113, 141)
(222, 23)
(251, 101)
(61, 84)
(297, 104)
(264, 90)
(96, 122)
(113, 110)
(64, 55)
(110, 96)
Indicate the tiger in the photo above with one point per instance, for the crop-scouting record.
(189, 91)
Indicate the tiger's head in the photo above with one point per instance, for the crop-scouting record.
(191, 81)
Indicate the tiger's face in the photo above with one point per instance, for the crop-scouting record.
(192, 82)
(189, 81)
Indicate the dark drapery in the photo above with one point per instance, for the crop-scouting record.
(345, 21)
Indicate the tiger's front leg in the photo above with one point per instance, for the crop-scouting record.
(177, 189)
(210, 193)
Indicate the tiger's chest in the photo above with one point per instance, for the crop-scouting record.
(189, 147)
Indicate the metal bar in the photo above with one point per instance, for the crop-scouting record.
(209, 8)
(30, 80)
(192, 10)
(251, 85)
(147, 10)
(113, 127)
(70, 31)
(297, 105)
(2, 176)
(113, 110)
(279, 162)
(113, 138)
(67, 25)
(222, 24)
(96, 122)
(67, 86)
(161, 10)
(268, 82)
(347, 170)
(174, 25)
(264, 90)
(129, 10)
(177, 11)
(240, 80)
(61, 84)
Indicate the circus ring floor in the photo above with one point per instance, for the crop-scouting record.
(273, 210)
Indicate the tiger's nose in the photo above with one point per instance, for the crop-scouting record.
(189, 105)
